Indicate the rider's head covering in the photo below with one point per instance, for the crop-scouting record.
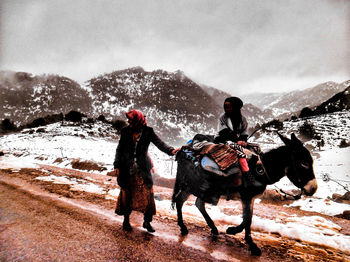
(236, 103)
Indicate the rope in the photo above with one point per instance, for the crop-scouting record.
(326, 178)
(296, 197)
(171, 173)
(254, 132)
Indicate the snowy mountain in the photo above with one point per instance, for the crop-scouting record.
(25, 97)
(173, 104)
(338, 102)
(282, 105)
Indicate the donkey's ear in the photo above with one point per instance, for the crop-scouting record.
(285, 140)
(295, 140)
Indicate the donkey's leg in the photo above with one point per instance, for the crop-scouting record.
(247, 221)
(180, 200)
(200, 204)
(235, 230)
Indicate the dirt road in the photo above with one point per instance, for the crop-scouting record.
(42, 221)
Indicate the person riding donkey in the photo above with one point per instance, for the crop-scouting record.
(232, 129)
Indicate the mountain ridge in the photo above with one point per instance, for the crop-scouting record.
(174, 104)
(284, 104)
(26, 97)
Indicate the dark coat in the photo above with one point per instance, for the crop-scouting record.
(127, 151)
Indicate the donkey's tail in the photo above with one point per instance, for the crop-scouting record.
(175, 195)
(177, 190)
(182, 161)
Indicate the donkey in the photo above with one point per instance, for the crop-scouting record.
(292, 160)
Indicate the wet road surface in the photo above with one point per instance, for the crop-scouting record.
(38, 228)
(48, 224)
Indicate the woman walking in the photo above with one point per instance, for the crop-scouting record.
(133, 166)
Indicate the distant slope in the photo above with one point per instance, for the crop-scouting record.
(338, 102)
(25, 97)
(292, 102)
(332, 128)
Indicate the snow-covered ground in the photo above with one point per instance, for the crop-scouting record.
(331, 165)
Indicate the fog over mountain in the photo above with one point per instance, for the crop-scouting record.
(238, 47)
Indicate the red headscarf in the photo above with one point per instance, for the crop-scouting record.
(137, 119)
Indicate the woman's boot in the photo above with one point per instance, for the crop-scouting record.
(148, 226)
(126, 223)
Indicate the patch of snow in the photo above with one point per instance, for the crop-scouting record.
(13, 162)
(322, 206)
(76, 184)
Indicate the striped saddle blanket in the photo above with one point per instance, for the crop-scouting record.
(223, 155)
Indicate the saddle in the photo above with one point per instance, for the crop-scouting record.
(217, 159)
(211, 166)
(223, 155)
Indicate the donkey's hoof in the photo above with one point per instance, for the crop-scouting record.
(215, 231)
(232, 230)
(254, 250)
(127, 227)
(184, 231)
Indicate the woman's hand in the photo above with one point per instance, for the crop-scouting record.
(175, 151)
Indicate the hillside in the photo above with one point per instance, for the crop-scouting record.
(172, 103)
(282, 105)
(338, 102)
(332, 128)
(25, 97)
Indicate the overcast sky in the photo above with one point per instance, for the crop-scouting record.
(239, 46)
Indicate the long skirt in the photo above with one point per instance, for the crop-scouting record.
(136, 197)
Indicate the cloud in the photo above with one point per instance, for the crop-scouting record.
(221, 43)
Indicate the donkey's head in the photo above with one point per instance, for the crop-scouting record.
(300, 170)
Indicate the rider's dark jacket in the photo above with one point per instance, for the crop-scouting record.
(226, 131)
